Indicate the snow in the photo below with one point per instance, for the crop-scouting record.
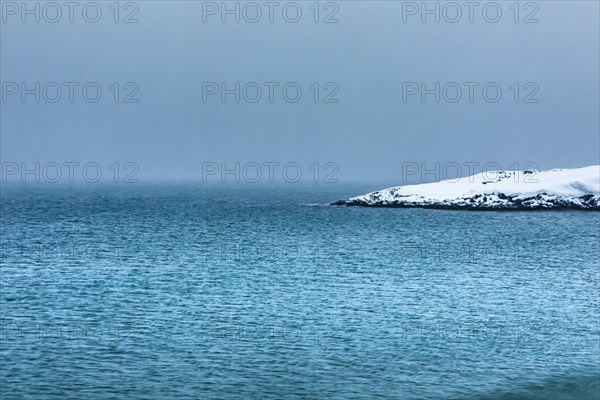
(557, 188)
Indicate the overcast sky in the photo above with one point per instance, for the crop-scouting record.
(368, 118)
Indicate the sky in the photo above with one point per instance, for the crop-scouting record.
(187, 91)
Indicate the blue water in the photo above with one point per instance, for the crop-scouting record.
(195, 291)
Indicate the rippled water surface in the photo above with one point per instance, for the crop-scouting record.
(191, 291)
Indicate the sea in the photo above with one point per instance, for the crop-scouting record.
(225, 291)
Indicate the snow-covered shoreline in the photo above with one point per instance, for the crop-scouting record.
(576, 188)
